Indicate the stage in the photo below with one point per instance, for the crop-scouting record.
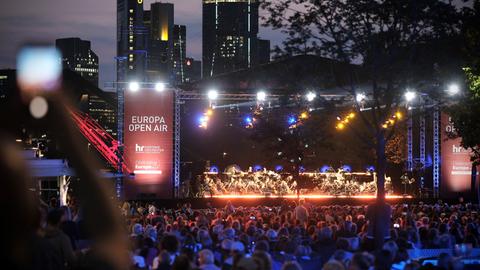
(307, 196)
(259, 200)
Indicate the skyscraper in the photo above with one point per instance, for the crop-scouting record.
(160, 42)
(230, 29)
(263, 51)
(179, 51)
(78, 56)
(131, 41)
(193, 70)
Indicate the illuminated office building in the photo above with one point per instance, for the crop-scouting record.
(179, 51)
(193, 70)
(131, 41)
(78, 56)
(230, 29)
(160, 42)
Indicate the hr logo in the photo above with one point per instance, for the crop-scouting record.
(139, 148)
(458, 149)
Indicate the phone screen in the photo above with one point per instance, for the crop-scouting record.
(39, 68)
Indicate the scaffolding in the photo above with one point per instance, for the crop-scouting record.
(410, 141)
(436, 152)
(422, 148)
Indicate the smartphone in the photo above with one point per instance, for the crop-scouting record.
(39, 68)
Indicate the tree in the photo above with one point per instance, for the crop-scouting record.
(292, 135)
(387, 37)
(391, 41)
(465, 117)
(466, 112)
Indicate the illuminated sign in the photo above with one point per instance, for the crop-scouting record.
(456, 167)
(149, 142)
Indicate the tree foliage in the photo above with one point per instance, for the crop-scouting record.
(391, 40)
(293, 137)
(466, 116)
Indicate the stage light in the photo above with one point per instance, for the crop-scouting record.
(347, 168)
(257, 168)
(278, 168)
(209, 112)
(248, 120)
(292, 120)
(453, 89)
(311, 96)
(384, 126)
(134, 86)
(212, 94)
(398, 115)
(159, 87)
(360, 97)
(203, 121)
(213, 169)
(410, 96)
(261, 96)
(324, 168)
(370, 168)
(351, 115)
(301, 169)
(304, 115)
(340, 126)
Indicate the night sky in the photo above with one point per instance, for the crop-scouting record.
(95, 20)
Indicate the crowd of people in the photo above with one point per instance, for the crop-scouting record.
(290, 236)
(270, 182)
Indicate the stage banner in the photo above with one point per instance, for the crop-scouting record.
(456, 168)
(148, 140)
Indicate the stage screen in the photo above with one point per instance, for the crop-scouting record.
(456, 168)
(148, 139)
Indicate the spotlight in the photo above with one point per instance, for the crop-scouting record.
(134, 86)
(278, 168)
(291, 120)
(248, 120)
(360, 97)
(203, 121)
(453, 89)
(159, 87)
(347, 168)
(214, 169)
(311, 96)
(340, 126)
(410, 96)
(261, 96)
(398, 115)
(257, 168)
(212, 94)
(304, 115)
(324, 168)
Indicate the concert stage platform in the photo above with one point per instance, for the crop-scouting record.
(259, 200)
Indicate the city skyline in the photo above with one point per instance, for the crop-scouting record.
(26, 20)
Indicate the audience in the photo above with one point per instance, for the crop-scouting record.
(285, 237)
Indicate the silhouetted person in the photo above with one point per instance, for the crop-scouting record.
(60, 242)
